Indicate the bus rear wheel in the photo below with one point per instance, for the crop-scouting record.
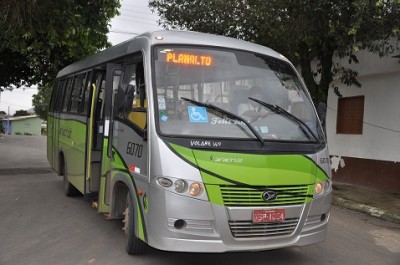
(133, 244)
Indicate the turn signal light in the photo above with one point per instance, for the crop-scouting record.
(319, 188)
(195, 189)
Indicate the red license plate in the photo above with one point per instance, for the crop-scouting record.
(268, 216)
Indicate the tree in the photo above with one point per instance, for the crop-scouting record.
(21, 112)
(304, 31)
(38, 38)
(41, 100)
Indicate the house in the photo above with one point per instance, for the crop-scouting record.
(363, 125)
(22, 125)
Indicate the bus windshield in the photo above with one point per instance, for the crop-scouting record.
(221, 93)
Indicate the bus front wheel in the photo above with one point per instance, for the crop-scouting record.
(133, 244)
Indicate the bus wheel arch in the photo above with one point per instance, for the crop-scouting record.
(123, 207)
(133, 244)
(61, 162)
(119, 196)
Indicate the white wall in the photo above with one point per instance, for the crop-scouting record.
(380, 79)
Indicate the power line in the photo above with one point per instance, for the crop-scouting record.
(371, 124)
(136, 6)
(140, 12)
(9, 103)
(155, 23)
(138, 17)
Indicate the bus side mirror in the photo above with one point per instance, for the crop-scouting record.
(142, 94)
(129, 95)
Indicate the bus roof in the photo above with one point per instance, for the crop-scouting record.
(165, 37)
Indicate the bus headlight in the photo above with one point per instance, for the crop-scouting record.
(194, 189)
(180, 186)
(321, 188)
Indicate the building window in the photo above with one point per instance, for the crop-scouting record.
(350, 115)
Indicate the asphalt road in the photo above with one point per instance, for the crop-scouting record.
(38, 225)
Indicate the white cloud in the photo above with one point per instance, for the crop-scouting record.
(17, 99)
(135, 18)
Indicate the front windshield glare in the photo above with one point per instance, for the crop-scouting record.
(191, 82)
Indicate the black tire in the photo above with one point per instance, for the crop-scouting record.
(69, 189)
(133, 244)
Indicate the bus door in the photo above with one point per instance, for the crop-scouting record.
(99, 126)
(95, 131)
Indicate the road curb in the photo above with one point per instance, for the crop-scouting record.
(367, 209)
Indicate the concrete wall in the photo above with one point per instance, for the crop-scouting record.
(378, 147)
(31, 126)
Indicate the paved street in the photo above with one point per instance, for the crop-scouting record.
(38, 225)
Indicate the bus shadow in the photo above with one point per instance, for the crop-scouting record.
(280, 256)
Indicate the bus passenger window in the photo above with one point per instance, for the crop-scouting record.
(76, 96)
(84, 104)
(67, 94)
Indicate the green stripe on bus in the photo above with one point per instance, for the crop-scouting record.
(252, 170)
(120, 166)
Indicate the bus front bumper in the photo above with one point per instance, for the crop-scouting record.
(184, 224)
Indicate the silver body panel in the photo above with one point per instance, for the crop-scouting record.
(208, 230)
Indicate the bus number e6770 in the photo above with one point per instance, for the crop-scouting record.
(134, 149)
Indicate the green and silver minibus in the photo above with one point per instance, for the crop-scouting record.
(197, 142)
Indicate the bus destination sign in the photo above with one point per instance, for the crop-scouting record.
(189, 59)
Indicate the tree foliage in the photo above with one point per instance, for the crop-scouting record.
(304, 31)
(38, 38)
(21, 112)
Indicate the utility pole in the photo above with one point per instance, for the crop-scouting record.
(8, 121)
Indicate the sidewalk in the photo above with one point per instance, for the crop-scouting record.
(383, 205)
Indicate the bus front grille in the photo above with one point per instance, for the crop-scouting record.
(247, 229)
(253, 196)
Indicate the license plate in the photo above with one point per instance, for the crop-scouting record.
(268, 216)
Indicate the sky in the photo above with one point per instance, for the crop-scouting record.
(135, 18)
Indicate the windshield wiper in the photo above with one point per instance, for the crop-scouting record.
(227, 113)
(279, 110)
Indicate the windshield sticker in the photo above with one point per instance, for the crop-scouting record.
(161, 103)
(164, 117)
(215, 121)
(197, 114)
(264, 129)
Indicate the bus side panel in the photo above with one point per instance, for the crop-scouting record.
(130, 155)
(73, 142)
(104, 190)
(50, 139)
(53, 142)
